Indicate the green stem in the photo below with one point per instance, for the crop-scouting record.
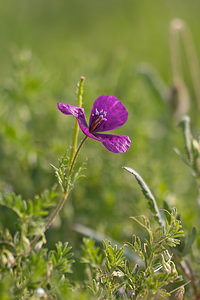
(73, 157)
(62, 200)
(76, 127)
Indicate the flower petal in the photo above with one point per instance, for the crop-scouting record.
(86, 132)
(113, 111)
(79, 114)
(114, 143)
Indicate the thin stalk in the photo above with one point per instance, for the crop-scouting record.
(73, 157)
(192, 61)
(175, 27)
(76, 126)
(179, 30)
(62, 200)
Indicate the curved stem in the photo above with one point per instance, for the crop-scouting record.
(62, 200)
(75, 156)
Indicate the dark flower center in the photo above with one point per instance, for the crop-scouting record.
(94, 124)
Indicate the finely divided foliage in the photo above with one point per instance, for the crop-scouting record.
(153, 264)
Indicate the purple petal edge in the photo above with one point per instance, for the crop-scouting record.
(79, 114)
(115, 143)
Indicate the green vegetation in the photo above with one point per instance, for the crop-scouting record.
(146, 54)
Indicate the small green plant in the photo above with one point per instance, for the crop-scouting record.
(157, 262)
(155, 271)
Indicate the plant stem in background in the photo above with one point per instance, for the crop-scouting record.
(179, 98)
(179, 29)
(192, 148)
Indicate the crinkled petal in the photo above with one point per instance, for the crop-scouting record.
(113, 111)
(114, 143)
(79, 114)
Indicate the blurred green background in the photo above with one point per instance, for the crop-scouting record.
(45, 47)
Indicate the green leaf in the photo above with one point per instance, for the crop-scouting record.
(148, 195)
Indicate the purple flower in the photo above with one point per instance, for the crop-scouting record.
(107, 114)
(121, 291)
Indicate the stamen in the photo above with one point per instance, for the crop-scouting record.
(96, 123)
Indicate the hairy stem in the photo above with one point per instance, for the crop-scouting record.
(73, 157)
(62, 200)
